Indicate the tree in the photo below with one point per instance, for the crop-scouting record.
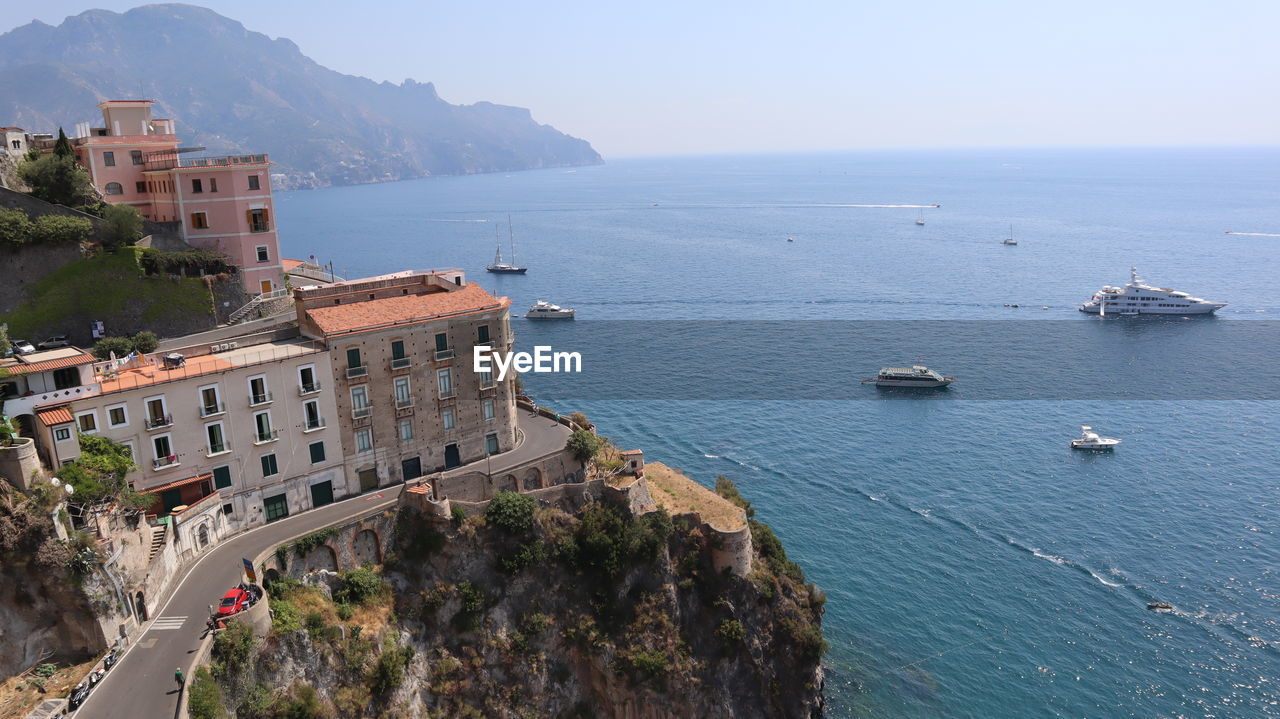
(512, 511)
(57, 229)
(583, 445)
(145, 342)
(15, 228)
(98, 474)
(5, 346)
(123, 225)
(57, 178)
(62, 148)
(121, 346)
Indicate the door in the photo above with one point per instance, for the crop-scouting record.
(368, 479)
(276, 507)
(266, 286)
(451, 458)
(321, 494)
(411, 468)
(171, 498)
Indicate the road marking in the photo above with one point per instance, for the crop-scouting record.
(168, 623)
(146, 643)
(371, 497)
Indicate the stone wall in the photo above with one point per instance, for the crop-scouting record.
(354, 544)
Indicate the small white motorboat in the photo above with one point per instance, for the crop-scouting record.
(1090, 440)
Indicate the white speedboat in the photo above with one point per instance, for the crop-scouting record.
(546, 311)
(915, 376)
(1090, 440)
(1139, 298)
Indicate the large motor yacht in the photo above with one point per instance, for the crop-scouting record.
(915, 376)
(1139, 298)
(546, 311)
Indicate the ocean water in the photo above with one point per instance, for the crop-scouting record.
(974, 565)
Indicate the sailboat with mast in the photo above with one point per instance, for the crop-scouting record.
(503, 268)
(1010, 240)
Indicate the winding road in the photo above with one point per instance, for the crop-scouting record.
(142, 684)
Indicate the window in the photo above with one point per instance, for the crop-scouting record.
(364, 440)
(209, 402)
(136, 156)
(269, 465)
(262, 427)
(253, 183)
(353, 360)
(162, 450)
(87, 422)
(114, 188)
(276, 507)
(491, 443)
(486, 409)
(140, 187)
(486, 378)
(156, 414)
(66, 377)
(482, 334)
(62, 434)
(311, 414)
(199, 221)
(132, 455)
(17, 144)
(397, 350)
(258, 220)
(213, 184)
(221, 477)
(317, 452)
(216, 442)
(445, 381)
(442, 342)
(117, 416)
(262, 252)
(258, 393)
(109, 159)
(196, 185)
(403, 397)
(307, 380)
(406, 430)
(228, 510)
(446, 418)
(359, 397)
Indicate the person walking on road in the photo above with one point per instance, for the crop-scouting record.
(177, 675)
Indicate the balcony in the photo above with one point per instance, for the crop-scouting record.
(260, 399)
(217, 449)
(270, 435)
(353, 372)
(401, 363)
(312, 426)
(444, 354)
(168, 160)
(212, 410)
(306, 389)
(160, 463)
(158, 422)
(361, 412)
(447, 393)
(404, 402)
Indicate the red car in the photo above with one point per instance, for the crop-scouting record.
(234, 602)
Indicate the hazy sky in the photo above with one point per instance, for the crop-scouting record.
(708, 76)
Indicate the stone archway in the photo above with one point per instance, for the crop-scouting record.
(322, 557)
(202, 536)
(366, 548)
(509, 482)
(140, 606)
(269, 577)
(532, 480)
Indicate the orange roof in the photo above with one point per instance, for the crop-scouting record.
(419, 489)
(405, 309)
(631, 451)
(289, 264)
(57, 415)
(50, 364)
(143, 376)
(178, 483)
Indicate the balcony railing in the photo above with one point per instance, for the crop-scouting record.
(270, 435)
(158, 422)
(313, 426)
(306, 389)
(260, 398)
(210, 410)
(403, 402)
(361, 412)
(401, 362)
(353, 372)
(444, 354)
(163, 462)
(213, 449)
(167, 160)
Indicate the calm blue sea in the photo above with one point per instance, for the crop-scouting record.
(975, 566)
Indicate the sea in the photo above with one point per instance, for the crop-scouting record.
(974, 565)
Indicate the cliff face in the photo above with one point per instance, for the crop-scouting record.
(590, 614)
(237, 91)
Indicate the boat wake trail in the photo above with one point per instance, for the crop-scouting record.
(834, 204)
(1252, 234)
(431, 219)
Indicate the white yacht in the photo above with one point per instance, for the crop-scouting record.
(1090, 440)
(546, 311)
(915, 376)
(1139, 298)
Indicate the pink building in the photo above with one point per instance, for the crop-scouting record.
(220, 203)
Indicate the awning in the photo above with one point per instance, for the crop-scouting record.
(57, 415)
(50, 364)
(179, 483)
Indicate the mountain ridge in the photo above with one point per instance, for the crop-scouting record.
(320, 126)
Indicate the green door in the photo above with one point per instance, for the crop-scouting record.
(276, 507)
(321, 494)
(171, 498)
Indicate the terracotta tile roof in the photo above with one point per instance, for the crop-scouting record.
(57, 415)
(47, 365)
(143, 376)
(406, 309)
(178, 483)
(288, 264)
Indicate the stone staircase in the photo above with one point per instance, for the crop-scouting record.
(158, 537)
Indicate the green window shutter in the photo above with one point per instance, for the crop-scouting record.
(221, 477)
(269, 465)
(317, 452)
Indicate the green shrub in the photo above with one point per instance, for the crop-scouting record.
(142, 343)
(457, 514)
(727, 489)
(145, 342)
(58, 179)
(123, 225)
(806, 638)
(15, 228)
(303, 546)
(388, 673)
(204, 698)
(344, 611)
(190, 263)
(583, 445)
(232, 647)
(359, 586)
(57, 229)
(527, 554)
(284, 617)
(653, 663)
(731, 630)
(511, 511)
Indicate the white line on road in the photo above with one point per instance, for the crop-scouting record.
(168, 623)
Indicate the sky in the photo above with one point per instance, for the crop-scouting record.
(709, 76)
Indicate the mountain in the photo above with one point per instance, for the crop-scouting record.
(232, 91)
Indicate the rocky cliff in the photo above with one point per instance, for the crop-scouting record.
(237, 91)
(533, 613)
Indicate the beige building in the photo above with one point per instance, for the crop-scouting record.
(400, 346)
(246, 428)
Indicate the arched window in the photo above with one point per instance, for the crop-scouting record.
(114, 188)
